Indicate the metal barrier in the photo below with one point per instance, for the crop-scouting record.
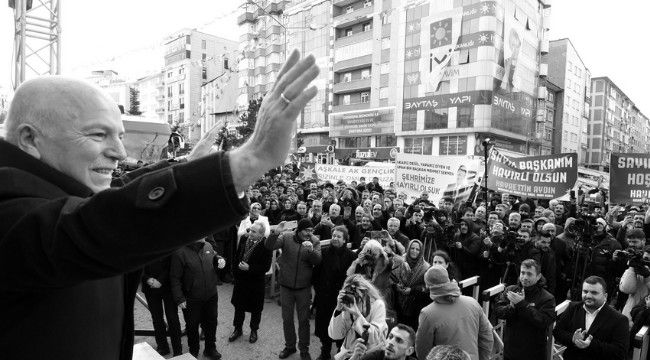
(471, 282)
(553, 350)
(143, 332)
(486, 299)
(640, 344)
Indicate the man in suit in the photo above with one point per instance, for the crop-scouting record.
(591, 329)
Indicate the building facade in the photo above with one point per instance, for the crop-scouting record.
(192, 58)
(116, 87)
(435, 79)
(152, 96)
(569, 72)
(616, 124)
(219, 101)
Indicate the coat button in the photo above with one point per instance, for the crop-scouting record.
(156, 193)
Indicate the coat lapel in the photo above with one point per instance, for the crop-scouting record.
(581, 313)
(599, 320)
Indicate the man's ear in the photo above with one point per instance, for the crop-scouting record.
(410, 351)
(27, 140)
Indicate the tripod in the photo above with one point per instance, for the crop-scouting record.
(580, 260)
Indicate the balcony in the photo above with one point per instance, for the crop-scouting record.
(352, 64)
(354, 17)
(355, 85)
(357, 106)
(275, 29)
(249, 54)
(275, 8)
(260, 52)
(248, 16)
(341, 3)
(353, 39)
(275, 48)
(543, 70)
(272, 67)
(259, 70)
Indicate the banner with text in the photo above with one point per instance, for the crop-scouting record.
(629, 178)
(542, 177)
(334, 173)
(439, 176)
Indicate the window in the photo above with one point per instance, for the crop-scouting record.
(418, 145)
(181, 102)
(409, 121)
(203, 44)
(181, 89)
(453, 145)
(225, 64)
(367, 27)
(348, 32)
(443, 87)
(169, 91)
(347, 77)
(170, 74)
(204, 73)
(466, 56)
(436, 119)
(204, 57)
(346, 99)
(465, 117)
(384, 68)
(181, 70)
(365, 97)
(367, 3)
(181, 117)
(469, 26)
(466, 84)
(349, 9)
(365, 74)
(385, 140)
(169, 105)
(170, 118)
(383, 93)
(384, 19)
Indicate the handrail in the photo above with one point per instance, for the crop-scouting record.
(554, 350)
(471, 282)
(640, 344)
(487, 295)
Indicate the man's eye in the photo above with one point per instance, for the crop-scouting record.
(98, 135)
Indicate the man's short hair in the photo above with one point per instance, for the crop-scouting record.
(394, 219)
(593, 280)
(447, 352)
(409, 330)
(527, 221)
(531, 263)
(493, 213)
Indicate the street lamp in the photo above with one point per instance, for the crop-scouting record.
(486, 144)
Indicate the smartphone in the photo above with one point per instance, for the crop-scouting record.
(291, 225)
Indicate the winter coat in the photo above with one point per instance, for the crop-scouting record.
(296, 262)
(248, 292)
(412, 277)
(328, 279)
(527, 322)
(637, 288)
(193, 272)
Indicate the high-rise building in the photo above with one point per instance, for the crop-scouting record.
(549, 117)
(191, 59)
(616, 124)
(219, 101)
(271, 28)
(116, 87)
(567, 70)
(152, 96)
(437, 77)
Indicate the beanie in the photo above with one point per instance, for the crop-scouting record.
(436, 275)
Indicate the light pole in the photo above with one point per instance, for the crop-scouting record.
(486, 147)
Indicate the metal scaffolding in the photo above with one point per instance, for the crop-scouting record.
(37, 39)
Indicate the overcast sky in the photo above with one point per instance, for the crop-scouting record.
(124, 35)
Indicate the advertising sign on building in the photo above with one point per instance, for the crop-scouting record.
(629, 178)
(334, 173)
(441, 176)
(447, 100)
(541, 177)
(362, 123)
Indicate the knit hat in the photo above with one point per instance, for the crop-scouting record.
(602, 222)
(436, 275)
(437, 280)
(304, 224)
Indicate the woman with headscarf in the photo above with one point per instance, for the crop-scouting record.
(360, 311)
(328, 278)
(412, 294)
(289, 212)
(274, 213)
(467, 246)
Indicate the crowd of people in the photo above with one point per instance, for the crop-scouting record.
(394, 265)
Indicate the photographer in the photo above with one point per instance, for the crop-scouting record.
(602, 263)
(636, 279)
(360, 313)
(467, 246)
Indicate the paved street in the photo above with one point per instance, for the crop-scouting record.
(271, 339)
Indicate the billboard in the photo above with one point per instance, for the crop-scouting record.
(334, 173)
(440, 176)
(362, 123)
(629, 178)
(541, 177)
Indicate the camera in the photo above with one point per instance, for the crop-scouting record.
(348, 298)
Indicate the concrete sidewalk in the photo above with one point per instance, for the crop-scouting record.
(267, 347)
